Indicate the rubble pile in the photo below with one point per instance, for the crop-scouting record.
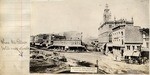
(41, 62)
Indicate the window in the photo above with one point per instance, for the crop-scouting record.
(121, 33)
(128, 47)
(133, 47)
(110, 26)
(147, 44)
(138, 48)
(122, 41)
(146, 39)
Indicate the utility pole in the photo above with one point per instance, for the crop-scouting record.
(97, 65)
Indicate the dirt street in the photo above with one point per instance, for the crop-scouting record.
(105, 63)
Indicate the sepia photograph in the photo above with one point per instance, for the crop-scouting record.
(89, 37)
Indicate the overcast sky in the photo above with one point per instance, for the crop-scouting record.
(84, 15)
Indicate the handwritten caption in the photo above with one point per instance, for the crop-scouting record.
(14, 44)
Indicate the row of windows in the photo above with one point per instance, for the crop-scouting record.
(133, 47)
(116, 39)
(73, 38)
(64, 42)
(147, 39)
(119, 40)
(121, 32)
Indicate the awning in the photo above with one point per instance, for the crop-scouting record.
(131, 53)
(137, 53)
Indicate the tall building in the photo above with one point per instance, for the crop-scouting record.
(107, 14)
(105, 29)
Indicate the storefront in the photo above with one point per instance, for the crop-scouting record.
(118, 52)
(77, 48)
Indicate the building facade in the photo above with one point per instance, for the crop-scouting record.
(126, 38)
(145, 33)
(73, 35)
(40, 39)
(105, 29)
(68, 41)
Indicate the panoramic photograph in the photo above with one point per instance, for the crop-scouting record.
(89, 37)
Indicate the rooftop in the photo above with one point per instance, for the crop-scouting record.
(120, 21)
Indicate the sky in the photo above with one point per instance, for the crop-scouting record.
(54, 16)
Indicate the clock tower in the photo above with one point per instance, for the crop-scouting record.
(107, 14)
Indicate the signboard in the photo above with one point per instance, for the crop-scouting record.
(84, 69)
